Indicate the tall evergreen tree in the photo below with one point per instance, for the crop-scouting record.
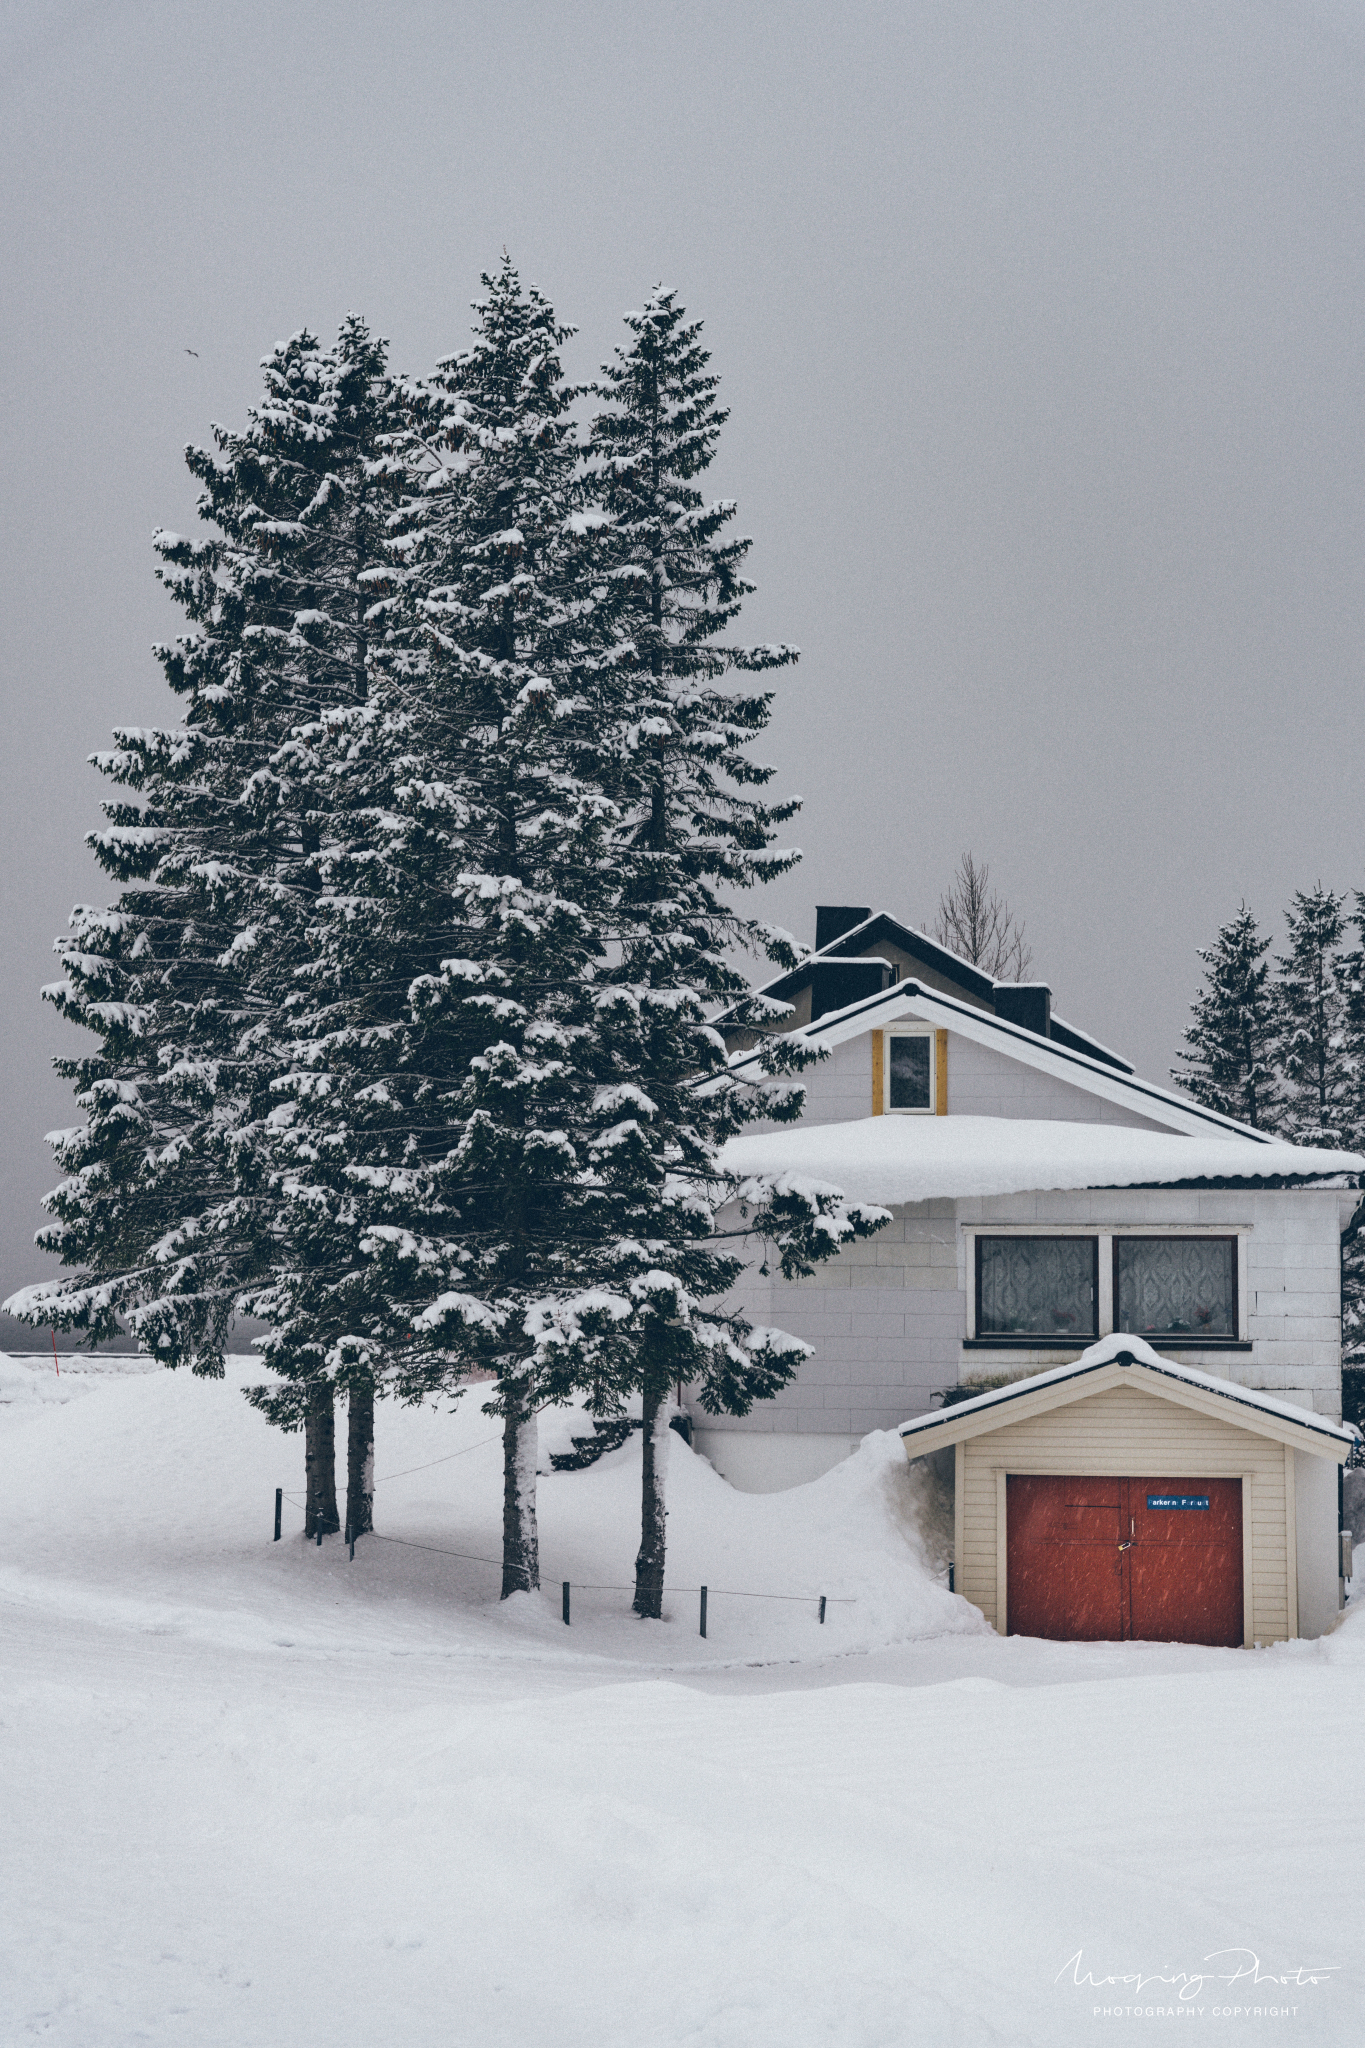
(442, 1067)
(1312, 1051)
(689, 834)
(1232, 1035)
(454, 1122)
(165, 1215)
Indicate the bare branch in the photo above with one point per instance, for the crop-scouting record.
(976, 923)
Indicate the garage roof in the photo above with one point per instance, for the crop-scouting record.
(1127, 1360)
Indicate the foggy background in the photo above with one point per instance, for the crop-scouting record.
(1041, 328)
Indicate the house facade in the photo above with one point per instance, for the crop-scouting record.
(1042, 1197)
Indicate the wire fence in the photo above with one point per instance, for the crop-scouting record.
(567, 1586)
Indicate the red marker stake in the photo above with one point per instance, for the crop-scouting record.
(54, 1350)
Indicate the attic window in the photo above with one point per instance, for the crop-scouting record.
(910, 1072)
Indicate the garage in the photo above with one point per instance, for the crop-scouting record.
(1154, 1560)
(1128, 1498)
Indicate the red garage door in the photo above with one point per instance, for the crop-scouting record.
(1113, 1560)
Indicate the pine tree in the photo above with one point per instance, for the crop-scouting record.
(688, 834)
(1312, 1053)
(1351, 983)
(1232, 1037)
(165, 1214)
(442, 1072)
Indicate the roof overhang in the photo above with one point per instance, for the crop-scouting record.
(1261, 1414)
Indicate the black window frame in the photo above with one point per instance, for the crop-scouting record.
(1040, 1340)
(1191, 1339)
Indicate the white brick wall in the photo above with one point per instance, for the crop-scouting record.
(982, 1082)
(887, 1317)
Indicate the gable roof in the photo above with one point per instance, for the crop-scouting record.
(1124, 1360)
(891, 1160)
(911, 1000)
(853, 946)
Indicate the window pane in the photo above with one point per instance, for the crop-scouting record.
(1169, 1284)
(909, 1072)
(1036, 1286)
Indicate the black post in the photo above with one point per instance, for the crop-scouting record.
(279, 1510)
(566, 1603)
(319, 1539)
(703, 1610)
(822, 1607)
(350, 1541)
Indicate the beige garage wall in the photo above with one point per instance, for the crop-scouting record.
(1127, 1433)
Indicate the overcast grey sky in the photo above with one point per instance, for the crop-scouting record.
(1041, 326)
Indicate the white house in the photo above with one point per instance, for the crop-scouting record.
(1043, 1197)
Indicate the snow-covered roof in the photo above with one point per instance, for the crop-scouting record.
(895, 1159)
(1114, 1354)
(911, 1001)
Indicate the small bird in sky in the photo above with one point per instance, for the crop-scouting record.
(192, 352)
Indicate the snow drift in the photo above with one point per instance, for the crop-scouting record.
(157, 1487)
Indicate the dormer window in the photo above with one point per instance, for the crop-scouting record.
(910, 1076)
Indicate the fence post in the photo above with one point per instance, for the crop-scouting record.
(350, 1541)
(822, 1607)
(566, 1603)
(279, 1510)
(703, 1610)
(319, 1539)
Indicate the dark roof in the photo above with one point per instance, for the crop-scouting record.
(854, 943)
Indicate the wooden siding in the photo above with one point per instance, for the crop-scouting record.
(1127, 1432)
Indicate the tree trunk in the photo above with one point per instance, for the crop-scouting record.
(320, 1460)
(520, 1542)
(360, 1458)
(649, 1564)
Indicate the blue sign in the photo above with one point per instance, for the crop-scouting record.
(1177, 1500)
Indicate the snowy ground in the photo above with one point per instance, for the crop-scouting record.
(258, 1794)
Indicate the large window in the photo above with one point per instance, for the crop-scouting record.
(1169, 1286)
(909, 1070)
(1037, 1287)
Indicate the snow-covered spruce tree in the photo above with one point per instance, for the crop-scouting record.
(689, 834)
(1350, 975)
(340, 555)
(1312, 1053)
(1232, 1034)
(165, 1215)
(443, 1070)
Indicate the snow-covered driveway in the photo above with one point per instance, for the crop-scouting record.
(254, 1794)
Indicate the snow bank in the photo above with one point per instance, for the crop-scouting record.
(155, 1488)
(31, 1381)
(895, 1159)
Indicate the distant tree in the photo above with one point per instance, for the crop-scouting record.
(1351, 983)
(1233, 1031)
(976, 923)
(1312, 1051)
